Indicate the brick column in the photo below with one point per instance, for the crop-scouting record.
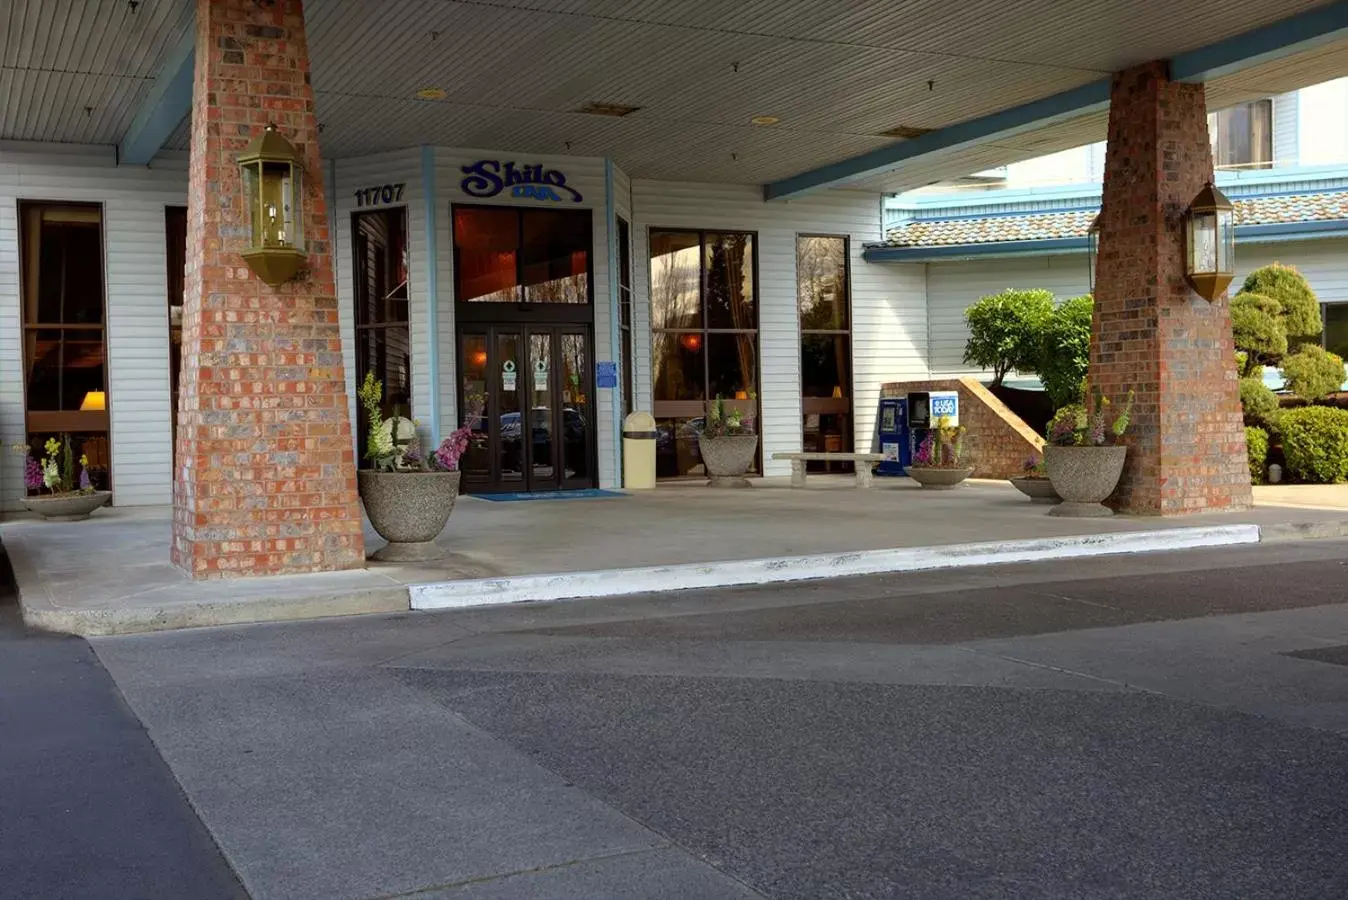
(1151, 332)
(264, 479)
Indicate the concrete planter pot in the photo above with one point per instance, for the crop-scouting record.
(1039, 490)
(68, 507)
(938, 479)
(1084, 477)
(728, 458)
(409, 510)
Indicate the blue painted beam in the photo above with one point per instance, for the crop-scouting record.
(1080, 101)
(1297, 34)
(167, 103)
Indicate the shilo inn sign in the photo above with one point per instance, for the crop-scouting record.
(489, 177)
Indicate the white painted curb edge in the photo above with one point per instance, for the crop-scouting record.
(651, 579)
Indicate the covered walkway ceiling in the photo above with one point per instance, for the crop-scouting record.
(515, 73)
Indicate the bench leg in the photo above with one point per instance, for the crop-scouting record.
(797, 473)
(864, 475)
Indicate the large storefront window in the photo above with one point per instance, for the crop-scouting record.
(175, 253)
(65, 358)
(1336, 328)
(383, 334)
(505, 255)
(704, 337)
(823, 296)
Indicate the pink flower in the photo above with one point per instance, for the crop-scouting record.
(452, 449)
(32, 474)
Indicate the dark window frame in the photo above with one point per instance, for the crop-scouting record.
(380, 326)
(823, 406)
(626, 315)
(1220, 124)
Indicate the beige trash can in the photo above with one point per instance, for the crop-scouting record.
(639, 436)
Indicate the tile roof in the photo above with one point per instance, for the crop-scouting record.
(1047, 225)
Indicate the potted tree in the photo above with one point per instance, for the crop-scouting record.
(68, 499)
(727, 445)
(940, 462)
(1084, 458)
(1033, 482)
(408, 495)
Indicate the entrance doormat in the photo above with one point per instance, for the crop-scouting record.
(586, 494)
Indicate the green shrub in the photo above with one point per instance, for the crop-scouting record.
(1300, 308)
(1312, 372)
(1315, 442)
(1005, 331)
(1065, 350)
(1260, 403)
(1256, 446)
(1259, 330)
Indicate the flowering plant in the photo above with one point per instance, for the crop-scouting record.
(391, 451)
(55, 470)
(722, 422)
(1074, 426)
(942, 448)
(1033, 468)
(451, 450)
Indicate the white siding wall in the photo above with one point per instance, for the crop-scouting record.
(953, 286)
(134, 199)
(888, 302)
(1286, 134)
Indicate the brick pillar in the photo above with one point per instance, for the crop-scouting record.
(1151, 332)
(264, 479)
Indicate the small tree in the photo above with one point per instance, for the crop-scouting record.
(1300, 308)
(1312, 373)
(1259, 404)
(1005, 331)
(1065, 351)
(1259, 330)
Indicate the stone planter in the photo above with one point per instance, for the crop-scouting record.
(1084, 477)
(67, 507)
(728, 458)
(1039, 490)
(938, 479)
(409, 510)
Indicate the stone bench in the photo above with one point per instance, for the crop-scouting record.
(863, 462)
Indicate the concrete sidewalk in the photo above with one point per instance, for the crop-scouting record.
(111, 574)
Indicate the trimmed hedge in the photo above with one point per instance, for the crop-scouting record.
(1256, 445)
(1315, 442)
(1259, 403)
(1312, 372)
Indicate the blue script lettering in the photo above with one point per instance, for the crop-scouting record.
(488, 177)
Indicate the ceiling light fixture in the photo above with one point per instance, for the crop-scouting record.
(612, 110)
(431, 93)
(764, 120)
(906, 132)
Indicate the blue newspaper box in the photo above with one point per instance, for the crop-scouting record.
(894, 444)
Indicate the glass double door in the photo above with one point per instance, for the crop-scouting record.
(526, 392)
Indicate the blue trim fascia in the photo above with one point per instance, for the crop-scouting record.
(614, 317)
(1245, 234)
(1296, 34)
(1078, 101)
(428, 200)
(166, 104)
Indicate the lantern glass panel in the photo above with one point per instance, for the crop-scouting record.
(1202, 243)
(252, 192)
(1093, 253)
(1226, 242)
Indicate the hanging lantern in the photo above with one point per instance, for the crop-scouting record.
(1210, 243)
(273, 186)
(1093, 251)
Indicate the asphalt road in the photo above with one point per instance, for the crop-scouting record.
(1163, 726)
(88, 809)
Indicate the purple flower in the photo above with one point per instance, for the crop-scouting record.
(452, 449)
(32, 474)
(925, 450)
(85, 483)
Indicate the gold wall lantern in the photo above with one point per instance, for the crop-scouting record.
(1210, 243)
(273, 182)
(1093, 251)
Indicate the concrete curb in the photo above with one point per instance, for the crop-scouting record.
(1303, 531)
(615, 582)
(42, 614)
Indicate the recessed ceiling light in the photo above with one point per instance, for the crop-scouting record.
(906, 132)
(612, 110)
(431, 93)
(764, 120)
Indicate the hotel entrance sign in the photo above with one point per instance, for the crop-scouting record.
(489, 177)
